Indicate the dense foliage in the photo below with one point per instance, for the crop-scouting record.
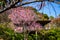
(8, 34)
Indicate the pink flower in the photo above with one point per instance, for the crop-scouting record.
(21, 15)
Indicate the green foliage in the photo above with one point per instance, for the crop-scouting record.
(45, 16)
(59, 15)
(52, 34)
(8, 34)
(51, 17)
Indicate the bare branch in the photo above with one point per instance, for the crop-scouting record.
(9, 7)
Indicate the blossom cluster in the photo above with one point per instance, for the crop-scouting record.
(24, 16)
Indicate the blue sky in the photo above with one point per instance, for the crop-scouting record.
(48, 9)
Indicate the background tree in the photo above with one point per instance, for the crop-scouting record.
(51, 17)
(45, 16)
(59, 15)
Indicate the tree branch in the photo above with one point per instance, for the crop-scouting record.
(20, 5)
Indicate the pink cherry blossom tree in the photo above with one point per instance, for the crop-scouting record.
(26, 17)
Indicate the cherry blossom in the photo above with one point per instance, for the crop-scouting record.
(24, 16)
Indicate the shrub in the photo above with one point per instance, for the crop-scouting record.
(8, 34)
